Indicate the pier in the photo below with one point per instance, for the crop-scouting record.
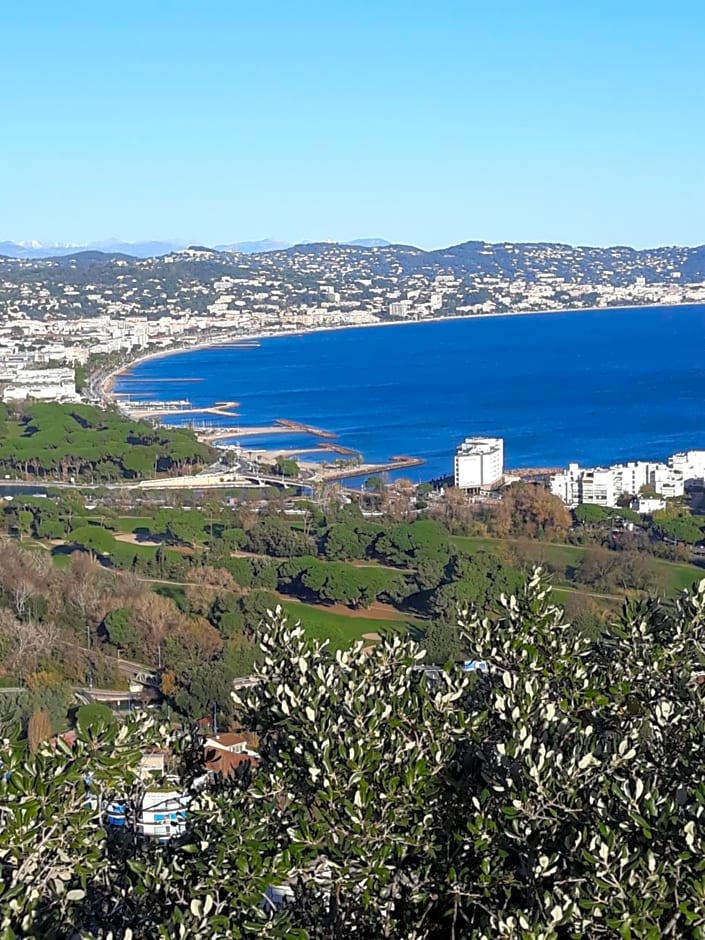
(281, 426)
(371, 469)
(299, 428)
(162, 409)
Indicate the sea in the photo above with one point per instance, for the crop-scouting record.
(593, 387)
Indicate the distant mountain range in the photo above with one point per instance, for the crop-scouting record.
(153, 249)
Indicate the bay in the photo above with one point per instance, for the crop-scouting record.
(594, 386)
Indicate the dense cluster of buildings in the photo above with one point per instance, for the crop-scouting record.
(58, 310)
(19, 384)
(478, 467)
(647, 483)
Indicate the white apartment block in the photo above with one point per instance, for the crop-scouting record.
(604, 486)
(42, 385)
(479, 463)
(691, 464)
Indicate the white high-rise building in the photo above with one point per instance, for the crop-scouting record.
(479, 463)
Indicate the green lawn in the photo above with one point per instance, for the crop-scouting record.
(561, 595)
(340, 629)
(132, 523)
(678, 575)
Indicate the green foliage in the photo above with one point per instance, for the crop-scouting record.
(81, 442)
(680, 526)
(558, 795)
(55, 698)
(56, 866)
(254, 608)
(240, 569)
(443, 642)
(422, 545)
(240, 658)
(94, 717)
(286, 467)
(184, 526)
(273, 536)
(476, 581)
(233, 538)
(338, 582)
(121, 632)
(590, 514)
(95, 538)
(15, 709)
(204, 687)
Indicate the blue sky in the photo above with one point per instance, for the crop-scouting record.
(425, 123)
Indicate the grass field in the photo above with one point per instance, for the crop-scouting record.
(340, 629)
(673, 576)
(132, 523)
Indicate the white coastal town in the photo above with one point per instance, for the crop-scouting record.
(61, 311)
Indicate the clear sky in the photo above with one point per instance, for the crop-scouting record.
(428, 123)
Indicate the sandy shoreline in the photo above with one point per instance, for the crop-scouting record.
(107, 384)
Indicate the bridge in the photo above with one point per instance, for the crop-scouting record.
(221, 481)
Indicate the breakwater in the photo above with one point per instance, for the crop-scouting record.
(595, 386)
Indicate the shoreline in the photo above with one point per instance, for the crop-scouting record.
(106, 386)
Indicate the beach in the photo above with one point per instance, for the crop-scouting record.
(107, 383)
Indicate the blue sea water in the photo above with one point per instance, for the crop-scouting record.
(593, 387)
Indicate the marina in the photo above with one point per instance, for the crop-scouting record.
(161, 409)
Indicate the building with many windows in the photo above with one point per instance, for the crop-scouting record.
(479, 463)
(604, 486)
(691, 464)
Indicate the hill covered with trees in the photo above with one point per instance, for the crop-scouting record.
(81, 443)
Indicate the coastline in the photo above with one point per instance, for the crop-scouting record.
(106, 385)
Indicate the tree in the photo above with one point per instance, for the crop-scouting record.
(530, 510)
(591, 514)
(597, 568)
(152, 617)
(273, 536)
(39, 729)
(81, 581)
(95, 538)
(203, 688)
(24, 576)
(94, 716)
(341, 542)
(422, 545)
(286, 467)
(121, 631)
(443, 642)
(478, 581)
(28, 642)
(680, 528)
(556, 795)
(186, 527)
